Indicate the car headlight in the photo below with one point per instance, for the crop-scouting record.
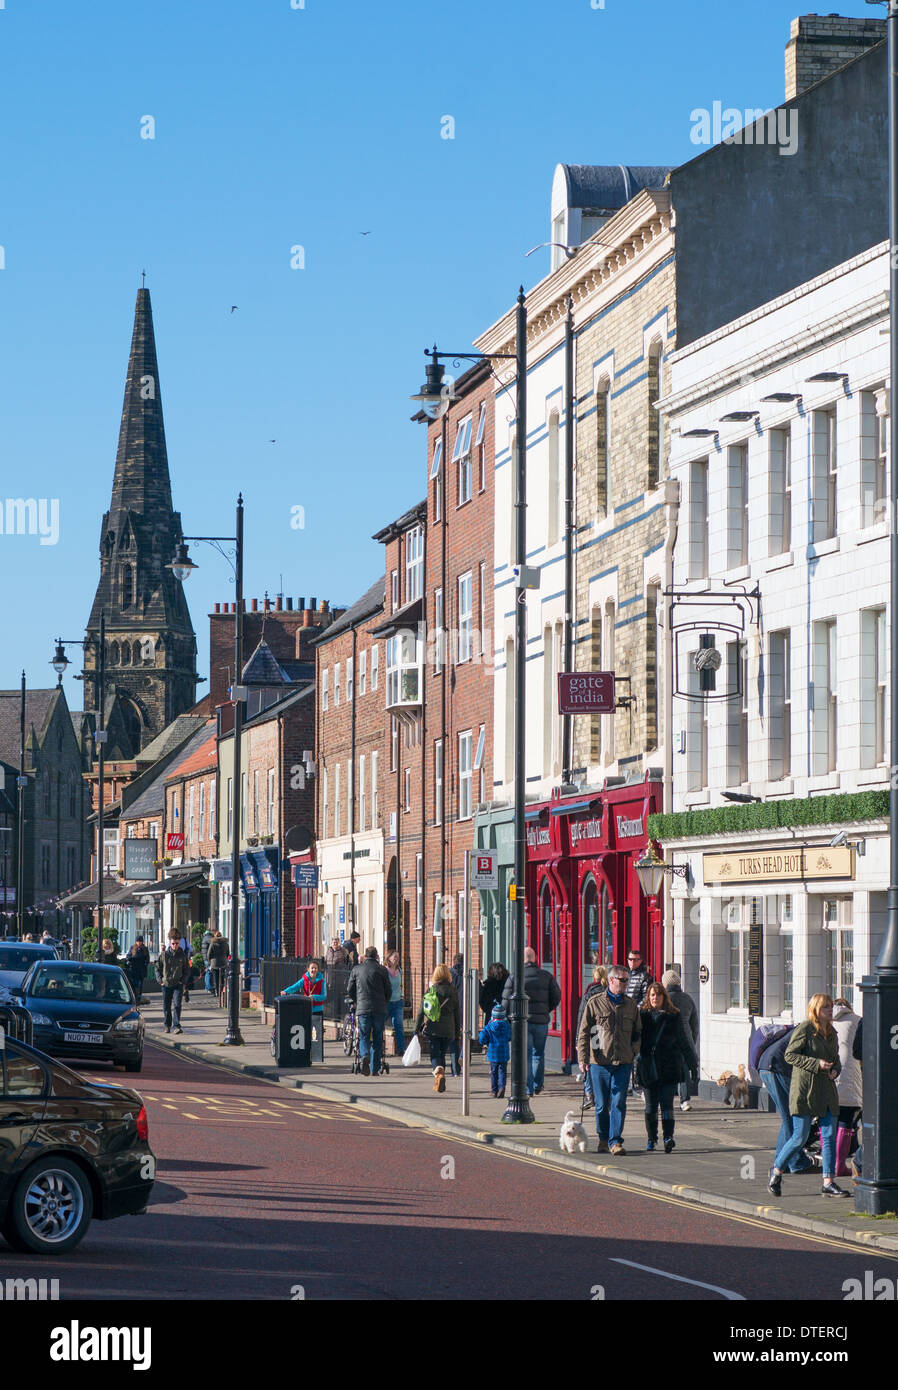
(128, 1024)
(42, 1018)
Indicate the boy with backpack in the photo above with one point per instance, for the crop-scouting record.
(439, 1021)
(496, 1037)
(767, 1054)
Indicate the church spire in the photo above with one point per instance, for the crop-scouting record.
(141, 477)
(151, 647)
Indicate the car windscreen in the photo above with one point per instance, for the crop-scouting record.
(16, 958)
(95, 986)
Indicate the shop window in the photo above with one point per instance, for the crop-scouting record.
(838, 928)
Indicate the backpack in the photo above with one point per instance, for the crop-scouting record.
(431, 1005)
(762, 1037)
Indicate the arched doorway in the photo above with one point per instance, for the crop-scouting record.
(596, 927)
(550, 937)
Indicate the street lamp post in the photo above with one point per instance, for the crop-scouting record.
(59, 663)
(876, 1193)
(182, 567)
(434, 401)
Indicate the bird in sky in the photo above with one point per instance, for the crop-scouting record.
(272, 441)
(234, 306)
(364, 233)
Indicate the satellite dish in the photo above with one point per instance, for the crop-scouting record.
(298, 840)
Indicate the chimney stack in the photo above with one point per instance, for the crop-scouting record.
(255, 605)
(820, 44)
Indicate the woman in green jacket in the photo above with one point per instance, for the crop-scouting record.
(813, 1055)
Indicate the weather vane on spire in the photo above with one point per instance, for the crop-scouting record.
(143, 277)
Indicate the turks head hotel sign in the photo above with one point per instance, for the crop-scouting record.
(779, 865)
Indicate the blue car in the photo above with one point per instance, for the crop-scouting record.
(17, 958)
(84, 1010)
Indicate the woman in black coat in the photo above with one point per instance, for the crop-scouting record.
(666, 1054)
(491, 989)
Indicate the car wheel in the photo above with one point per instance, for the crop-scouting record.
(134, 1066)
(50, 1209)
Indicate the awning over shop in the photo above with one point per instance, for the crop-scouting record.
(575, 808)
(266, 862)
(125, 893)
(175, 883)
(88, 895)
(248, 874)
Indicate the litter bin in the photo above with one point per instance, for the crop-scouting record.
(293, 1031)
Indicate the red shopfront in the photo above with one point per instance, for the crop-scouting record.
(585, 905)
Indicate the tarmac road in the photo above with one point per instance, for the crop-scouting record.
(261, 1194)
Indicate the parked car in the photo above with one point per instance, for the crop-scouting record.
(17, 958)
(70, 1151)
(81, 1009)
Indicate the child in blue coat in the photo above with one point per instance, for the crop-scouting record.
(496, 1036)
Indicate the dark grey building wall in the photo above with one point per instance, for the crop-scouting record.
(752, 223)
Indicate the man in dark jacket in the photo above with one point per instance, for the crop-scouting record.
(370, 990)
(544, 995)
(640, 976)
(457, 971)
(776, 1075)
(689, 1014)
(172, 968)
(137, 964)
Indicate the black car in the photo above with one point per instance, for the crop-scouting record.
(84, 1010)
(17, 958)
(70, 1150)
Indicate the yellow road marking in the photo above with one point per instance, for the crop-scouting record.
(788, 1231)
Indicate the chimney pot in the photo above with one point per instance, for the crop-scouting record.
(255, 605)
(278, 604)
(300, 603)
(289, 605)
(218, 607)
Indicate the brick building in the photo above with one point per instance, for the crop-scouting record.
(352, 751)
(458, 675)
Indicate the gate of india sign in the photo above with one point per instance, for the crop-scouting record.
(779, 865)
(587, 692)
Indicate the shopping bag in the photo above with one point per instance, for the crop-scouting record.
(412, 1054)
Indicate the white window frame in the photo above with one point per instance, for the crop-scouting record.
(737, 505)
(407, 784)
(824, 476)
(465, 776)
(394, 589)
(363, 795)
(363, 672)
(202, 810)
(419, 892)
(336, 684)
(414, 563)
(440, 632)
(338, 809)
(779, 741)
(461, 455)
(325, 675)
(438, 782)
(837, 920)
(375, 810)
(271, 802)
(325, 804)
(375, 665)
(465, 616)
(480, 446)
(350, 679)
(780, 491)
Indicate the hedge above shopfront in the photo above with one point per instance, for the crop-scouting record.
(769, 815)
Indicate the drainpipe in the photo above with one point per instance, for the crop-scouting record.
(672, 502)
(569, 406)
(440, 941)
(352, 770)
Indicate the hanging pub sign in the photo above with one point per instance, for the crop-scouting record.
(586, 692)
(139, 856)
(779, 865)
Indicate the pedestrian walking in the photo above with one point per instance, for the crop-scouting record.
(336, 954)
(495, 1036)
(491, 989)
(137, 963)
(439, 1021)
(370, 990)
(776, 1076)
(599, 982)
(171, 968)
(396, 1006)
(208, 938)
(457, 973)
(665, 1055)
(689, 1014)
(544, 994)
(813, 1054)
(849, 1083)
(640, 976)
(352, 949)
(218, 961)
(608, 1043)
(313, 985)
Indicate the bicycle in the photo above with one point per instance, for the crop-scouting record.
(350, 1039)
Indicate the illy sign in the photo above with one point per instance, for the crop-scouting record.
(590, 692)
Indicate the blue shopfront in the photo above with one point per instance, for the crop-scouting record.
(260, 875)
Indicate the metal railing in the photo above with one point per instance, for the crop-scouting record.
(17, 1022)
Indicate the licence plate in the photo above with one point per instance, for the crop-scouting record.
(83, 1037)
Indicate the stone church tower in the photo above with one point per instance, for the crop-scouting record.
(150, 644)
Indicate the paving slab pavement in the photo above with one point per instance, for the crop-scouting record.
(721, 1157)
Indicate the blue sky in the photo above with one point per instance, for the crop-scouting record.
(278, 127)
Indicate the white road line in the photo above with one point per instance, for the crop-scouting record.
(681, 1279)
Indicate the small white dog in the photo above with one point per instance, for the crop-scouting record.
(573, 1135)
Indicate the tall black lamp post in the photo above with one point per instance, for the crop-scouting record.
(59, 663)
(434, 400)
(876, 1193)
(182, 567)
